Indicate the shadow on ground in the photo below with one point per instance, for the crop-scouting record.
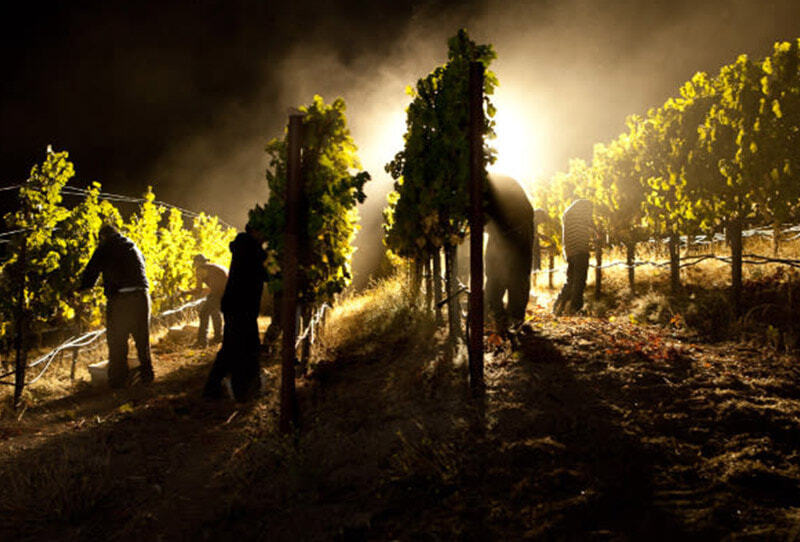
(575, 438)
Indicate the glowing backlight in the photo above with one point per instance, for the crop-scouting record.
(379, 137)
(520, 142)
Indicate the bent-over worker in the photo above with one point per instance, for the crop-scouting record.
(214, 277)
(127, 302)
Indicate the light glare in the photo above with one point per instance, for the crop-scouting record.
(519, 144)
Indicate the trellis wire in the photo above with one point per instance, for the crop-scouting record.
(751, 259)
(74, 191)
(311, 327)
(119, 198)
(86, 339)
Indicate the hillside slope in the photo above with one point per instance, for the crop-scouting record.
(589, 429)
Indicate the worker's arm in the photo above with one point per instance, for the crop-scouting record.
(93, 268)
(198, 290)
(199, 276)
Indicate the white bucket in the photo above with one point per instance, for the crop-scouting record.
(99, 372)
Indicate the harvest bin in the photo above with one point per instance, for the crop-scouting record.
(99, 371)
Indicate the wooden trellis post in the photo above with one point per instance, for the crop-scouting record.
(21, 361)
(294, 188)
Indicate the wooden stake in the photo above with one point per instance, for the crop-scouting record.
(21, 361)
(294, 187)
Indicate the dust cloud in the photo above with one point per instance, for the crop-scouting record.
(569, 72)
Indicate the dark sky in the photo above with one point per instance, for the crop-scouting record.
(122, 84)
(184, 95)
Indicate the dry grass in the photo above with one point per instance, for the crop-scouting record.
(57, 483)
(375, 386)
(702, 306)
(71, 457)
(392, 450)
(364, 323)
(56, 381)
(574, 439)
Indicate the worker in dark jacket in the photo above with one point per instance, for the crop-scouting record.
(214, 277)
(238, 356)
(127, 302)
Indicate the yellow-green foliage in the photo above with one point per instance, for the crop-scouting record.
(723, 148)
(177, 248)
(59, 242)
(428, 208)
(40, 212)
(332, 187)
(211, 239)
(143, 230)
(720, 154)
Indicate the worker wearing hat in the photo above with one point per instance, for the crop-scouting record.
(211, 280)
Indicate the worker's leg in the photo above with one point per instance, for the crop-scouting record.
(224, 360)
(274, 329)
(140, 314)
(202, 329)
(579, 280)
(216, 316)
(564, 299)
(495, 289)
(246, 373)
(518, 293)
(117, 338)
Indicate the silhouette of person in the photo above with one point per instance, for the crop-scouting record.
(509, 250)
(577, 226)
(214, 277)
(241, 299)
(127, 302)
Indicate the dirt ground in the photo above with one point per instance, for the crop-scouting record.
(589, 430)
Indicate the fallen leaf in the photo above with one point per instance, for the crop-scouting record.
(494, 339)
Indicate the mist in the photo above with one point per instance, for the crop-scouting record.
(570, 72)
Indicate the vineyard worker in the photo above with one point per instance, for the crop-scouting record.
(127, 302)
(214, 277)
(577, 227)
(509, 250)
(241, 301)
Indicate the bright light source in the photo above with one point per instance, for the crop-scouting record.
(520, 141)
(379, 137)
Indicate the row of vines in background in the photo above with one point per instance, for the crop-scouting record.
(59, 240)
(720, 156)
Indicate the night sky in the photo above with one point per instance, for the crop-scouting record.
(122, 84)
(184, 95)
